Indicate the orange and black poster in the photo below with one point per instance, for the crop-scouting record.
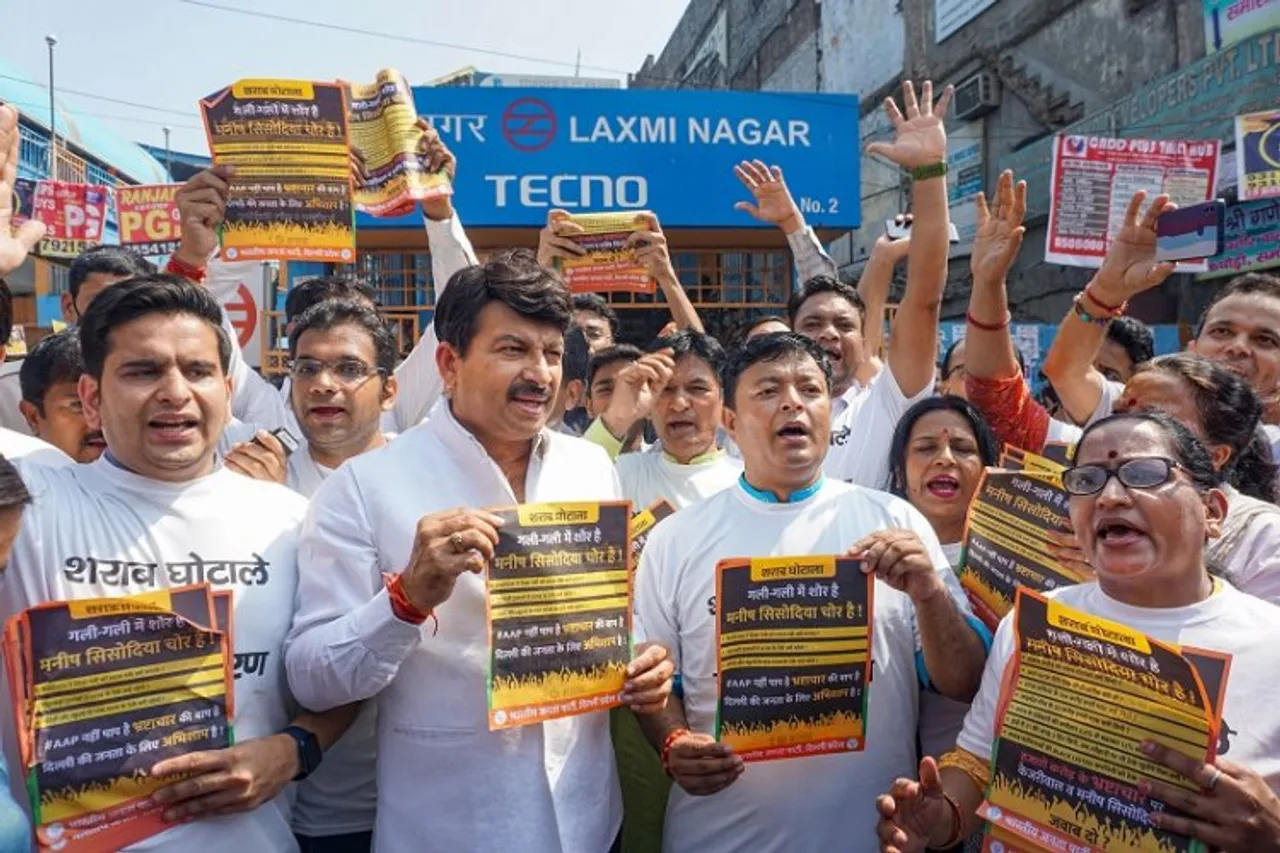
(559, 607)
(793, 636)
(609, 263)
(106, 688)
(1083, 694)
(1008, 543)
(642, 524)
(291, 195)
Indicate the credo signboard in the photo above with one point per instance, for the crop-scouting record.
(525, 151)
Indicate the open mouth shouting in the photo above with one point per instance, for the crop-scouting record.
(795, 434)
(173, 428)
(944, 487)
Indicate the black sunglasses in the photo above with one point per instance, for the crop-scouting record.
(1146, 472)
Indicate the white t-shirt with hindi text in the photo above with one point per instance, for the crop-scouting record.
(97, 530)
(800, 805)
(862, 425)
(652, 475)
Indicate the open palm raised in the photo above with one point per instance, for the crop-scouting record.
(14, 245)
(921, 139)
(1000, 231)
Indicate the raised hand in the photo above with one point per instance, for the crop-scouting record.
(202, 204)
(921, 138)
(1000, 231)
(14, 245)
(774, 203)
(913, 812)
(1130, 266)
(555, 240)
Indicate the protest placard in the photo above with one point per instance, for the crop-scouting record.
(72, 214)
(387, 143)
(559, 611)
(1008, 538)
(148, 217)
(102, 690)
(609, 264)
(642, 524)
(793, 644)
(1095, 177)
(1258, 155)
(1082, 695)
(291, 195)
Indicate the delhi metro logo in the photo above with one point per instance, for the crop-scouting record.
(529, 124)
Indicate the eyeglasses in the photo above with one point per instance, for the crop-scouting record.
(1145, 472)
(346, 371)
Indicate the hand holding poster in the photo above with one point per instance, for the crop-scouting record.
(609, 262)
(72, 215)
(1095, 177)
(291, 194)
(103, 689)
(1008, 538)
(793, 641)
(1082, 695)
(559, 611)
(1258, 154)
(150, 223)
(389, 148)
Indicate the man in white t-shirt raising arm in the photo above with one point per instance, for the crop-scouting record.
(156, 511)
(778, 399)
(399, 536)
(832, 314)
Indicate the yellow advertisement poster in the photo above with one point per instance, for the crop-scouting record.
(291, 194)
(389, 150)
(559, 611)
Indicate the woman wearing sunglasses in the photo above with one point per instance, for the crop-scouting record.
(1145, 499)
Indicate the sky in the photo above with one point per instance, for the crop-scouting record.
(170, 53)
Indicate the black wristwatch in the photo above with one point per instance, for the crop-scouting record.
(309, 752)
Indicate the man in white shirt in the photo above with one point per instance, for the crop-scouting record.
(778, 399)
(685, 465)
(156, 511)
(385, 547)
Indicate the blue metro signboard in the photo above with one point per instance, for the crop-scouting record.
(522, 152)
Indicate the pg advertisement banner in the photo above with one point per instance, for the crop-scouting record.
(72, 215)
(526, 151)
(148, 217)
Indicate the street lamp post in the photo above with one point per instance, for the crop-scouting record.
(52, 40)
(168, 169)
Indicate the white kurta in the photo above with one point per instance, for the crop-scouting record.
(651, 475)
(445, 782)
(19, 446)
(802, 805)
(862, 425)
(98, 530)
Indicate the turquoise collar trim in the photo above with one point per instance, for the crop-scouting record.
(770, 498)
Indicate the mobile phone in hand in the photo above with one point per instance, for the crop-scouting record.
(1192, 233)
(287, 440)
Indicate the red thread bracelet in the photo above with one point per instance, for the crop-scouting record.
(1113, 310)
(404, 609)
(672, 737)
(185, 270)
(989, 327)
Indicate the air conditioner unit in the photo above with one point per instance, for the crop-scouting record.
(977, 95)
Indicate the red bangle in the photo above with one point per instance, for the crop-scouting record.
(180, 268)
(1113, 310)
(672, 737)
(988, 327)
(404, 609)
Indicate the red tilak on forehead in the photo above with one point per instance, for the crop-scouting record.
(1113, 454)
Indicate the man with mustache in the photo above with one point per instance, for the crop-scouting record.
(777, 392)
(50, 379)
(400, 536)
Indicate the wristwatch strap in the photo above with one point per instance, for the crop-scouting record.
(932, 170)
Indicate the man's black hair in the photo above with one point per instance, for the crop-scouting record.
(332, 313)
(56, 358)
(106, 260)
(611, 355)
(771, 347)
(577, 357)
(689, 342)
(1134, 336)
(825, 284)
(139, 297)
(513, 278)
(303, 296)
(596, 304)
